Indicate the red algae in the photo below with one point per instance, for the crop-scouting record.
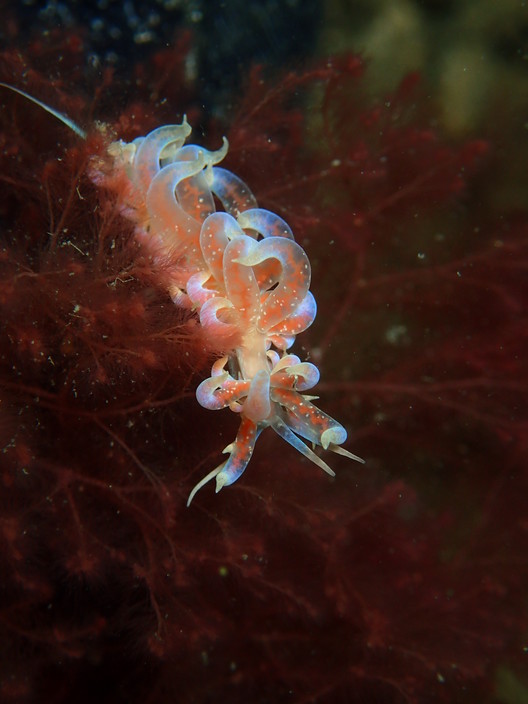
(401, 581)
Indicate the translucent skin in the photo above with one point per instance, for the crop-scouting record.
(242, 271)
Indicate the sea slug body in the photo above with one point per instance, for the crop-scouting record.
(243, 272)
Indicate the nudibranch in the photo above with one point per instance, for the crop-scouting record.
(241, 270)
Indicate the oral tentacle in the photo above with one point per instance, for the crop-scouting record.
(214, 473)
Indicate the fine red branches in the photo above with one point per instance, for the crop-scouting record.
(398, 582)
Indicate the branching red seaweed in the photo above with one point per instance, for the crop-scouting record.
(401, 581)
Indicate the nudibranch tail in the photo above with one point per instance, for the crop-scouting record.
(243, 273)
